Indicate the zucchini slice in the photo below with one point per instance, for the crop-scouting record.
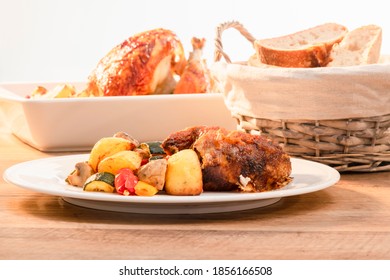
(100, 182)
(155, 148)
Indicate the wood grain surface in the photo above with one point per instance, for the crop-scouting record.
(350, 220)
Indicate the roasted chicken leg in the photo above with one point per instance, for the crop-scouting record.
(233, 160)
(196, 76)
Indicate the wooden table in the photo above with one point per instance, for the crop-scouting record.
(350, 220)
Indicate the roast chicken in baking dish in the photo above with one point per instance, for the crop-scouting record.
(143, 64)
(150, 62)
(233, 160)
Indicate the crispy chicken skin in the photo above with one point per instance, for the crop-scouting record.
(196, 77)
(143, 64)
(234, 160)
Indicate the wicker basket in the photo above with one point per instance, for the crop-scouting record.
(347, 143)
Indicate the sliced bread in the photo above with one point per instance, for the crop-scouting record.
(360, 46)
(307, 48)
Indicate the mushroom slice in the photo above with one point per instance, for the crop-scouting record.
(153, 173)
(80, 174)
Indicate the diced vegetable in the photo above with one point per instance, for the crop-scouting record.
(157, 157)
(144, 189)
(155, 148)
(145, 150)
(80, 174)
(153, 173)
(125, 182)
(60, 91)
(100, 182)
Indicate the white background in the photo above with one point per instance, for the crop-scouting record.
(46, 40)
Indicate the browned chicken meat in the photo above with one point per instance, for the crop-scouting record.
(145, 63)
(196, 77)
(233, 160)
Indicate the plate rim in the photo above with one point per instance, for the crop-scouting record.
(333, 176)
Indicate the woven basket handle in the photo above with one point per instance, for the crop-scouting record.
(218, 53)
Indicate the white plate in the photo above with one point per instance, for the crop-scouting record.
(76, 124)
(48, 176)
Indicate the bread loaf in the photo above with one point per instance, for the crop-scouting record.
(307, 48)
(360, 46)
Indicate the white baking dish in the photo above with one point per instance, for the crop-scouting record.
(75, 124)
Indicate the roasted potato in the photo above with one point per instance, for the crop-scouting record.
(119, 160)
(106, 147)
(184, 174)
